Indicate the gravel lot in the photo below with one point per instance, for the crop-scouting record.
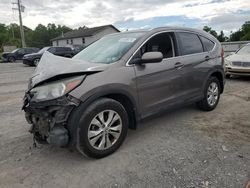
(182, 148)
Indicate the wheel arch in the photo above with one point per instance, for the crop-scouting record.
(121, 95)
(220, 76)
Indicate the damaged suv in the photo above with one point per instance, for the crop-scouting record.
(88, 102)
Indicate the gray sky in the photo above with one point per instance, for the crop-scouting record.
(227, 15)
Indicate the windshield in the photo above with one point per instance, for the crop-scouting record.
(244, 50)
(43, 50)
(15, 50)
(109, 49)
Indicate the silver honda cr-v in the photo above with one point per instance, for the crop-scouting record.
(88, 102)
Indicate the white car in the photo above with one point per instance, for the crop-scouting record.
(239, 63)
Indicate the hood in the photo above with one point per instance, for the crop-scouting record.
(51, 66)
(4, 54)
(239, 57)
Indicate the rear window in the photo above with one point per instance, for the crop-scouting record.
(189, 43)
(208, 44)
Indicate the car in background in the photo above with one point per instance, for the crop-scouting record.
(18, 54)
(34, 58)
(78, 48)
(239, 62)
(88, 102)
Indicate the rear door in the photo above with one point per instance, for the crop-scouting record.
(194, 61)
(159, 85)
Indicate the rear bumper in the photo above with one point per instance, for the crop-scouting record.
(49, 119)
(238, 71)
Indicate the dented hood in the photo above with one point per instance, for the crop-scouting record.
(52, 66)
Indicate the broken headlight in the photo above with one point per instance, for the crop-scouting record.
(55, 89)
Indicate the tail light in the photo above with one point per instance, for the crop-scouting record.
(222, 56)
(222, 53)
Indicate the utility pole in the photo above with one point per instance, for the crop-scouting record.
(20, 10)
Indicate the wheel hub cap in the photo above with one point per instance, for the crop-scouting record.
(212, 94)
(104, 129)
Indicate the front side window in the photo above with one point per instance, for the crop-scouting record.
(109, 48)
(244, 50)
(21, 51)
(160, 43)
(189, 43)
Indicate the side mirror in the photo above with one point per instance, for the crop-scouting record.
(151, 57)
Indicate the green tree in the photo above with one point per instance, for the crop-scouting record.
(211, 31)
(221, 37)
(242, 34)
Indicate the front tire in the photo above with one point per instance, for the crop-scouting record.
(211, 95)
(101, 127)
(11, 59)
(36, 61)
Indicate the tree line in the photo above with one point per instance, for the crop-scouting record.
(41, 35)
(240, 35)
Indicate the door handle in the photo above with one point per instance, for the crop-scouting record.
(207, 58)
(178, 65)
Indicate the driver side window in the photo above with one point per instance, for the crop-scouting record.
(21, 51)
(160, 43)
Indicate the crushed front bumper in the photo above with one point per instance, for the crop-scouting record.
(49, 119)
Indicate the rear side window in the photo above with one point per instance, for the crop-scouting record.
(60, 49)
(67, 49)
(208, 44)
(189, 43)
(29, 50)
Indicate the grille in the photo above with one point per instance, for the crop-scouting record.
(241, 64)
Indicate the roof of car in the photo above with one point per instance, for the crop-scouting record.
(168, 28)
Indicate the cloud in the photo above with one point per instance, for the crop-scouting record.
(135, 14)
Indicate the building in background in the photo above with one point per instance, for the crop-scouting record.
(84, 36)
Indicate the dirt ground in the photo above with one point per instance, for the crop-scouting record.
(182, 148)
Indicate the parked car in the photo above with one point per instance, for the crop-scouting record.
(239, 62)
(18, 54)
(88, 102)
(78, 48)
(34, 58)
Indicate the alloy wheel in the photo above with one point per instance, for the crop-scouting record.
(212, 93)
(36, 61)
(104, 129)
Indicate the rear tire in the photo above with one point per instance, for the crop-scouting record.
(100, 128)
(212, 93)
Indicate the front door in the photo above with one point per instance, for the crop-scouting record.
(159, 85)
